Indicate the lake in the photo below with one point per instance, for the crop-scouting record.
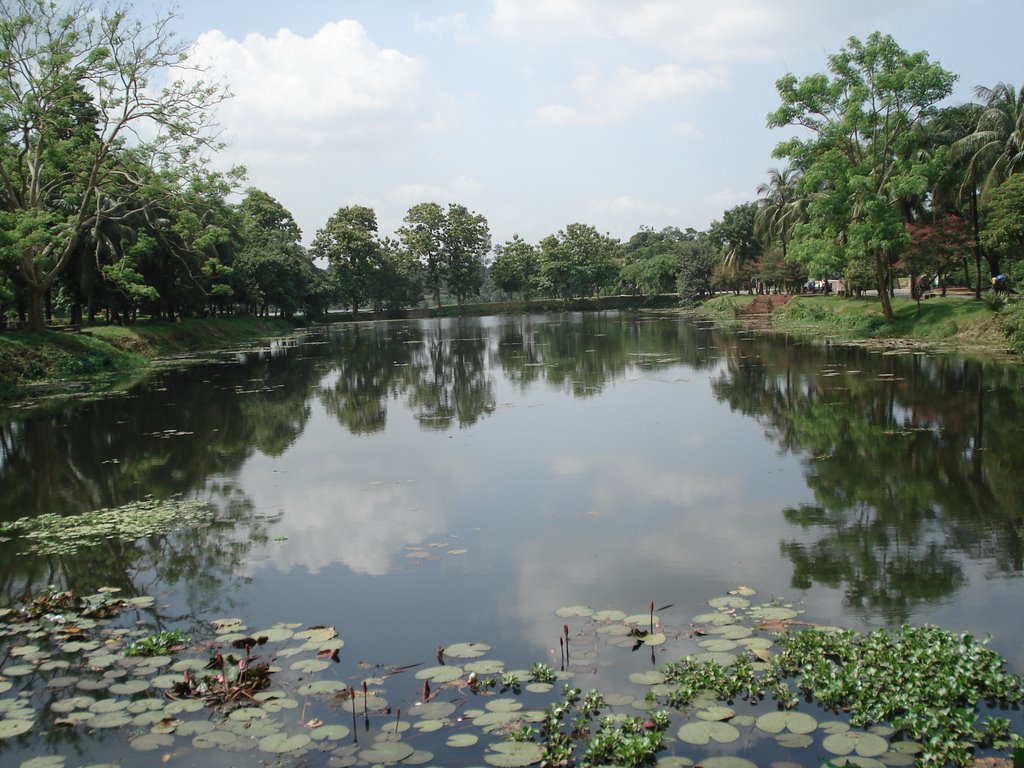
(430, 484)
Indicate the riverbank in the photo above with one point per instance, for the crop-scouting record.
(110, 357)
(951, 324)
(107, 357)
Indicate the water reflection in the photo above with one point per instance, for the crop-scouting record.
(356, 443)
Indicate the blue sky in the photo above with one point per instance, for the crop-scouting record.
(540, 113)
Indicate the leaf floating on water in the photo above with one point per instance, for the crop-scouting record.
(794, 722)
(706, 731)
(11, 728)
(514, 754)
(863, 744)
(570, 611)
(466, 650)
(279, 743)
(462, 740)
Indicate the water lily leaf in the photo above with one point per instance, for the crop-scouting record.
(214, 739)
(11, 728)
(466, 650)
(331, 732)
(650, 677)
(732, 601)
(906, 747)
(539, 687)
(72, 703)
(504, 705)
(429, 726)
(108, 705)
(321, 687)
(569, 611)
(727, 761)
(129, 687)
(609, 616)
(433, 710)
(714, 619)
(442, 674)
(44, 761)
(718, 644)
(309, 666)
(642, 619)
(794, 722)
(485, 667)
(656, 638)
(276, 705)
(706, 731)
(387, 752)
(794, 740)
(860, 762)
(462, 740)
(109, 720)
(19, 670)
(743, 591)
(864, 744)
(151, 741)
(716, 713)
(722, 659)
(775, 613)
(834, 727)
(394, 728)
(419, 757)
(276, 634)
(514, 754)
(195, 727)
(279, 743)
(896, 759)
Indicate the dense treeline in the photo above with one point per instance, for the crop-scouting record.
(95, 221)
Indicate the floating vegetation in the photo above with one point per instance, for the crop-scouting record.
(52, 534)
(887, 698)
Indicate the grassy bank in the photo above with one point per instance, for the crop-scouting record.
(104, 355)
(965, 325)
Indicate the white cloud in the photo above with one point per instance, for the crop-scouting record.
(315, 89)
(634, 205)
(685, 30)
(455, 23)
(621, 95)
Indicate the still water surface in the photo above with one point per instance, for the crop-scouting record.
(418, 484)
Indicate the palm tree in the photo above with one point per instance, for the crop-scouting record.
(996, 146)
(780, 208)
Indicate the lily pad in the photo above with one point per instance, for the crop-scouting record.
(466, 650)
(151, 741)
(279, 743)
(387, 752)
(863, 744)
(570, 611)
(331, 732)
(794, 722)
(727, 761)
(716, 713)
(441, 674)
(462, 740)
(514, 754)
(12, 728)
(706, 731)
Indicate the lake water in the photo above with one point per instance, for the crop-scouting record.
(426, 483)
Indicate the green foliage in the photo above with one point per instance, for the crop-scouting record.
(922, 681)
(516, 266)
(695, 270)
(567, 734)
(860, 161)
(542, 673)
(159, 644)
(578, 261)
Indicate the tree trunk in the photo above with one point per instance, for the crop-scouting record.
(36, 300)
(883, 288)
(977, 243)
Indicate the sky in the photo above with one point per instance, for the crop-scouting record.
(619, 114)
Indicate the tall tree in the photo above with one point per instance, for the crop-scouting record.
(78, 90)
(859, 122)
(422, 235)
(996, 146)
(515, 267)
(780, 208)
(350, 245)
(466, 241)
(578, 261)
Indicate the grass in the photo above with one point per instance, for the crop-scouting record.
(958, 323)
(103, 354)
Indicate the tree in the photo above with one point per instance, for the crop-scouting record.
(936, 249)
(780, 208)
(515, 268)
(450, 246)
(1003, 230)
(77, 93)
(651, 260)
(860, 122)
(696, 266)
(737, 241)
(996, 146)
(274, 269)
(349, 244)
(466, 241)
(578, 261)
